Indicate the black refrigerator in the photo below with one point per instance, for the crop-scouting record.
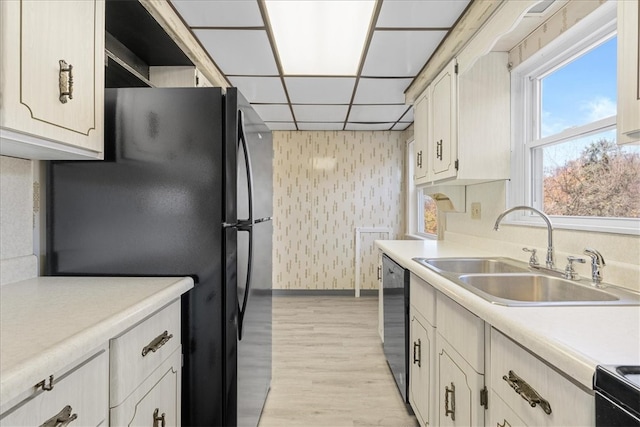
(185, 190)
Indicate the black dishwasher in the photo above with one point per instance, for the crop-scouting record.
(395, 294)
(617, 396)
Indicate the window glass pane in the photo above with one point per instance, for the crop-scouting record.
(581, 91)
(591, 176)
(430, 214)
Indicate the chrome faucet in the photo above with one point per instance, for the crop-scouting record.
(549, 260)
(597, 262)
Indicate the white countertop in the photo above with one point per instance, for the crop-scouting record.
(573, 339)
(46, 323)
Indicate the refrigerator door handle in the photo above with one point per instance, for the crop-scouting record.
(245, 225)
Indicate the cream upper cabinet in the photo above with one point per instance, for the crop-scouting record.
(422, 126)
(52, 67)
(628, 72)
(442, 146)
(177, 76)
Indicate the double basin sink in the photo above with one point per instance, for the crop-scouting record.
(509, 282)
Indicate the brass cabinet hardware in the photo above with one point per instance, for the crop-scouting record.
(527, 392)
(439, 150)
(419, 158)
(65, 81)
(451, 411)
(417, 355)
(505, 423)
(43, 384)
(158, 342)
(158, 421)
(61, 419)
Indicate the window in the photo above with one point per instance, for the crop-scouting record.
(427, 215)
(566, 161)
(422, 213)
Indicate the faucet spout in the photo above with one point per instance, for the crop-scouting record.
(549, 260)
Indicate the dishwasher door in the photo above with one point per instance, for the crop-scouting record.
(395, 293)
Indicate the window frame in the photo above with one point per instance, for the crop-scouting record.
(524, 187)
(415, 199)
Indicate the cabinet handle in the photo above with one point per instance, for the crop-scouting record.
(451, 411)
(379, 273)
(158, 342)
(44, 385)
(439, 150)
(65, 81)
(61, 419)
(420, 158)
(417, 355)
(505, 423)
(158, 421)
(527, 392)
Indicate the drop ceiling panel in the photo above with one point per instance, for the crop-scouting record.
(400, 53)
(320, 113)
(418, 14)
(273, 113)
(219, 13)
(376, 113)
(240, 52)
(320, 126)
(401, 125)
(260, 90)
(368, 126)
(281, 125)
(408, 117)
(381, 91)
(320, 90)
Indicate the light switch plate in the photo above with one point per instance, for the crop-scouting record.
(475, 210)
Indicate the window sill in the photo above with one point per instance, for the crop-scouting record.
(420, 237)
(589, 225)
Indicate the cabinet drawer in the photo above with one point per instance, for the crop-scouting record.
(423, 298)
(570, 405)
(462, 329)
(139, 351)
(84, 390)
(157, 398)
(501, 415)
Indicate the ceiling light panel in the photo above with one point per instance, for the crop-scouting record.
(239, 52)
(320, 113)
(376, 113)
(219, 13)
(273, 113)
(381, 91)
(320, 37)
(320, 90)
(420, 14)
(401, 125)
(281, 125)
(320, 126)
(262, 90)
(368, 126)
(400, 53)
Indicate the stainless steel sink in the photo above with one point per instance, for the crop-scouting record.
(474, 265)
(509, 282)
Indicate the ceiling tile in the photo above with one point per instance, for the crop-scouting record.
(273, 113)
(426, 13)
(320, 126)
(408, 117)
(381, 91)
(368, 126)
(400, 53)
(320, 90)
(401, 126)
(239, 52)
(376, 113)
(320, 113)
(266, 90)
(281, 125)
(219, 13)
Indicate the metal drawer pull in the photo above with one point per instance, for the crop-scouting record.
(158, 342)
(504, 424)
(527, 392)
(61, 419)
(451, 411)
(417, 345)
(158, 421)
(65, 81)
(44, 385)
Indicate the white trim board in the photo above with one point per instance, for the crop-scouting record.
(358, 232)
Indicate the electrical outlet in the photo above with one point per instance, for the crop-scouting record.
(475, 210)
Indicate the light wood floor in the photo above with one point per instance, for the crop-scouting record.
(329, 368)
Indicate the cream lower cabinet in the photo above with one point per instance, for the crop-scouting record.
(545, 397)
(52, 85)
(78, 396)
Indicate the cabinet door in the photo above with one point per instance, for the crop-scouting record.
(51, 47)
(443, 148)
(628, 72)
(421, 360)
(421, 135)
(459, 389)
